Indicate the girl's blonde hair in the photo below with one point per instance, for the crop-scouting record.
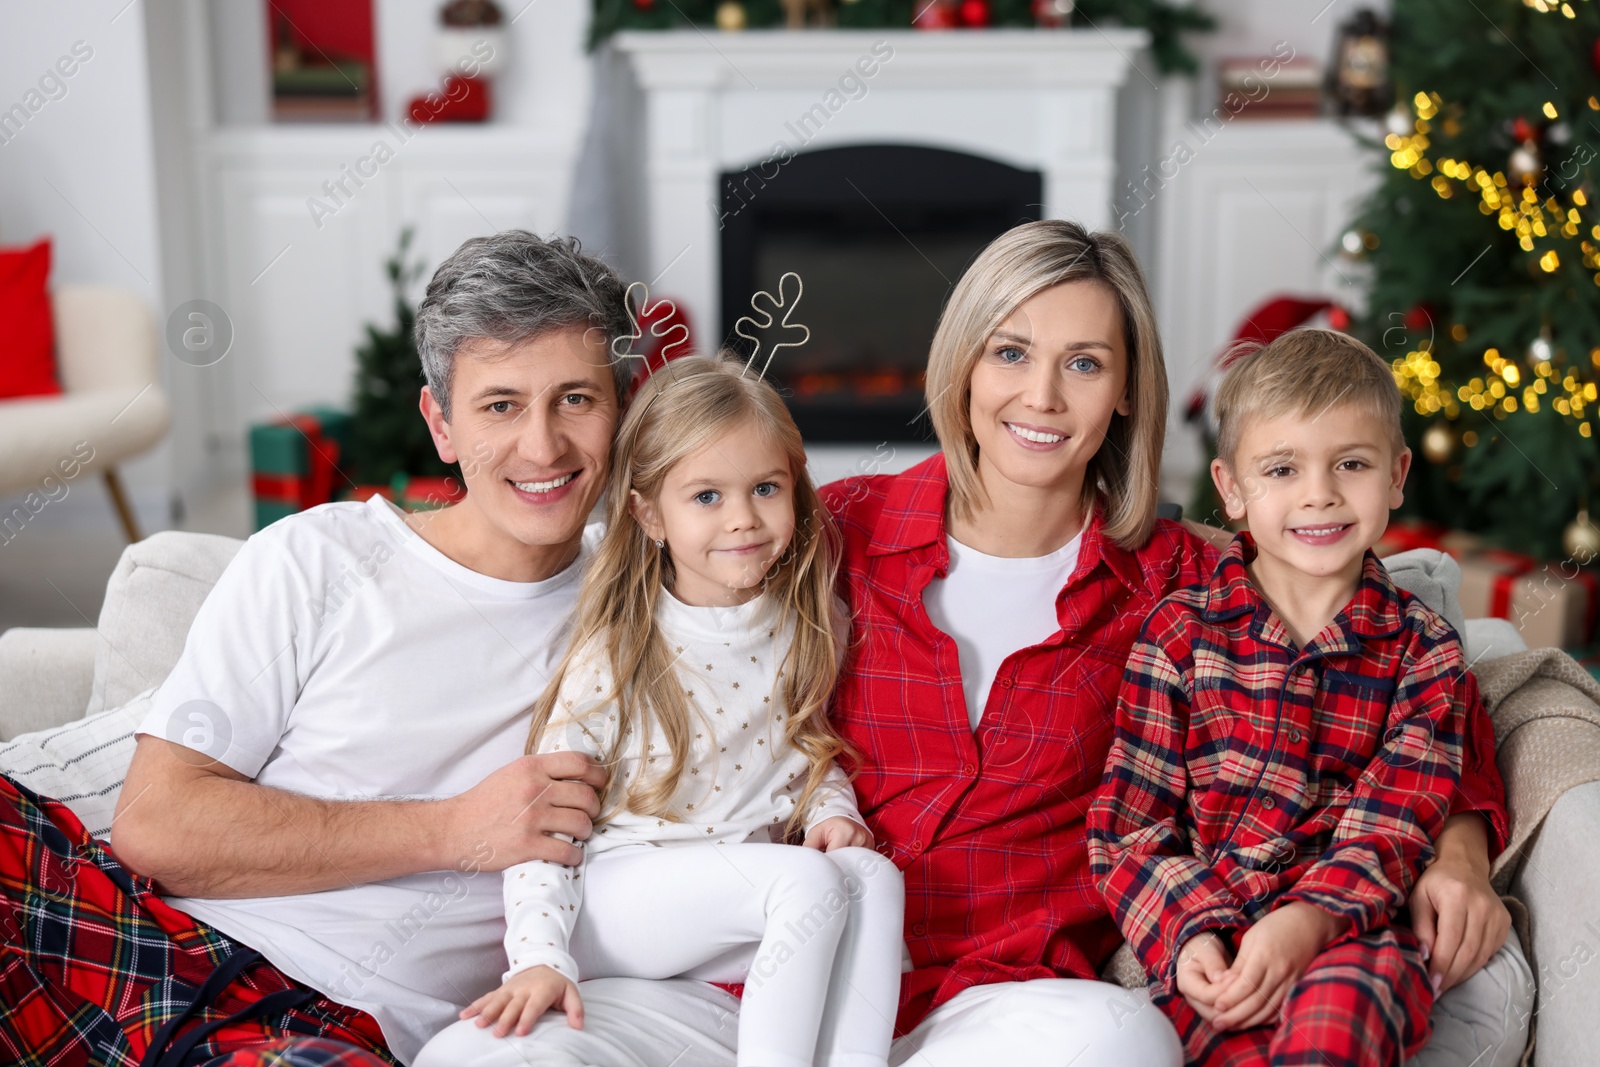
(1014, 267)
(680, 409)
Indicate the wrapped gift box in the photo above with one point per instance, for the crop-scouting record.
(294, 462)
(1552, 604)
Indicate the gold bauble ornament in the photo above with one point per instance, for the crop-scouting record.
(731, 17)
(1581, 539)
(1438, 443)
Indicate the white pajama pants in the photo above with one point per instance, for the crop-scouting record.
(815, 938)
(1049, 1022)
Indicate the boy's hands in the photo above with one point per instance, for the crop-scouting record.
(838, 832)
(1273, 954)
(1202, 967)
(524, 998)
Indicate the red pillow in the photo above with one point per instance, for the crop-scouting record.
(27, 332)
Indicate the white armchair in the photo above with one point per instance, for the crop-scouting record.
(111, 409)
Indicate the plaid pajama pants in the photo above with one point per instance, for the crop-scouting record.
(1361, 1003)
(97, 969)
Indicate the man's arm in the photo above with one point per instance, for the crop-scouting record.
(202, 829)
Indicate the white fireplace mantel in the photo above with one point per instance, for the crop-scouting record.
(694, 104)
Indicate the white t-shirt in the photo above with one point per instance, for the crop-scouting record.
(341, 656)
(743, 781)
(996, 605)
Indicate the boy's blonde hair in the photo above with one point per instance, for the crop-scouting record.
(1014, 267)
(1304, 371)
(680, 409)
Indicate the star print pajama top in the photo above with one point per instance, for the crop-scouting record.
(741, 782)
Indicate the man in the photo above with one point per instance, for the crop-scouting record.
(330, 777)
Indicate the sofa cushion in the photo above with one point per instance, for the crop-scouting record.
(81, 764)
(45, 677)
(28, 358)
(151, 600)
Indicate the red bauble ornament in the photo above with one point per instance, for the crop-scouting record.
(1339, 318)
(974, 12)
(936, 15)
(1049, 14)
(1420, 318)
(644, 5)
(1522, 130)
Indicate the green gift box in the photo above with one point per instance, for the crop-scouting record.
(294, 461)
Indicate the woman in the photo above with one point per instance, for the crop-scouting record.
(997, 589)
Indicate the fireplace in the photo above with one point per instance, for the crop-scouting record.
(878, 234)
(874, 164)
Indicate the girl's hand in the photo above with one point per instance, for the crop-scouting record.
(838, 832)
(1456, 914)
(524, 998)
(1202, 972)
(1273, 954)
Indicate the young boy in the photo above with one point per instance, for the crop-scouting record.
(1288, 738)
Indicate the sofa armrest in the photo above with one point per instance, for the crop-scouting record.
(1557, 883)
(45, 678)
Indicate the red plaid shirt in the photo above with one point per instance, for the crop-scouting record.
(1247, 773)
(988, 824)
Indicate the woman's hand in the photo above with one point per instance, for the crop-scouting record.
(1455, 912)
(838, 832)
(524, 998)
(1273, 954)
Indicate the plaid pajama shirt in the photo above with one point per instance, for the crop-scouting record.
(986, 824)
(1246, 773)
(96, 969)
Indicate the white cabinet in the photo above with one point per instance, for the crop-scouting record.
(301, 221)
(1257, 212)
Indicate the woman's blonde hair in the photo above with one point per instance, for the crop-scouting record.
(680, 409)
(1014, 267)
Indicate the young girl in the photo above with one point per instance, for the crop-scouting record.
(706, 646)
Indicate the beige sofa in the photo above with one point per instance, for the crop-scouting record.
(53, 677)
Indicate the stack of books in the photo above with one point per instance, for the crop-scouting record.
(1270, 88)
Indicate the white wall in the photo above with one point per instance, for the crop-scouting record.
(81, 168)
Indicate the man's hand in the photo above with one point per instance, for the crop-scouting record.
(516, 809)
(838, 832)
(1273, 954)
(524, 998)
(1202, 971)
(1455, 913)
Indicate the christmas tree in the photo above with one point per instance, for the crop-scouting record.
(388, 435)
(1485, 263)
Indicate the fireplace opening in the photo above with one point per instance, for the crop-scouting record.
(879, 234)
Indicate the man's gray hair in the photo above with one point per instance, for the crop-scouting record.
(511, 287)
